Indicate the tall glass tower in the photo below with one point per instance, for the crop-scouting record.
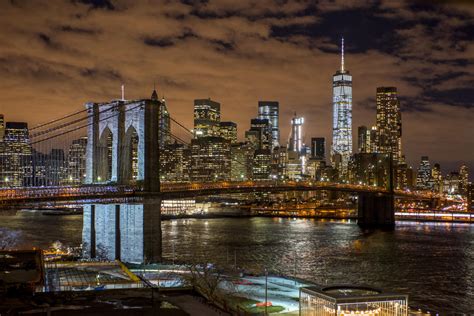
(342, 116)
(270, 110)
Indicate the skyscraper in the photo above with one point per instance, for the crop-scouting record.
(296, 139)
(2, 127)
(318, 148)
(464, 177)
(389, 123)
(15, 155)
(77, 161)
(342, 115)
(228, 131)
(270, 110)
(207, 117)
(259, 134)
(423, 178)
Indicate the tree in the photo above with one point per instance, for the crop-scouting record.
(9, 239)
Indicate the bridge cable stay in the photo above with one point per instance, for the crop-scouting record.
(57, 120)
(48, 163)
(52, 129)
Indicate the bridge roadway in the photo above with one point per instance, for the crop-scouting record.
(103, 193)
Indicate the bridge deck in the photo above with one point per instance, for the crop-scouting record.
(104, 192)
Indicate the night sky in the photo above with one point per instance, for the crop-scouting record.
(57, 55)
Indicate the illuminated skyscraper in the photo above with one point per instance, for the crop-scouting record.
(259, 134)
(207, 117)
(423, 178)
(2, 127)
(296, 139)
(270, 110)
(389, 123)
(464, 177)
(342, 115)
(76, 165)
(15, 155)
(228, 131)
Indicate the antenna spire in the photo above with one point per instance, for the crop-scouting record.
(123, 92)
(342, 54)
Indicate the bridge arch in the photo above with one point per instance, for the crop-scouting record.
(130, 156)
(105, 155)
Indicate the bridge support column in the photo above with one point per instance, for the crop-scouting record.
(152, 234)
(376, 210)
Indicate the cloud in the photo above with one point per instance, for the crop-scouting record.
(239, 52)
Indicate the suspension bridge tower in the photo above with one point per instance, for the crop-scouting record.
(123, 148)
(123, 143)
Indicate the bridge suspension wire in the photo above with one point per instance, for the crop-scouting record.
(181, 125)
(82, 126)
(57, 120)
(52, 129)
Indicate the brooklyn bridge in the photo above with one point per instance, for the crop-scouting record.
(122, 165)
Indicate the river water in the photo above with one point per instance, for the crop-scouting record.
(432, 262)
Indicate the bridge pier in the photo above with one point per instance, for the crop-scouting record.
(127, 232)
(376, 210)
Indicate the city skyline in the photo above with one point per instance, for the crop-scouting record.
(310, 61)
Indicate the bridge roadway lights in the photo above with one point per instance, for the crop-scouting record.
(376, 210)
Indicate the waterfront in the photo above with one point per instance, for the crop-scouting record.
(433, 262)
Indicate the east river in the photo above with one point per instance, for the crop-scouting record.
(433, 263)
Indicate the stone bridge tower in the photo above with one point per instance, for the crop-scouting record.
(123, 143)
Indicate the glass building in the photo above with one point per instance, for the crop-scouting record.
(351, 300)
(270, 110)
(296, 139)
(342, 115)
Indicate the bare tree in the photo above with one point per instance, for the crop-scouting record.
(9, 239)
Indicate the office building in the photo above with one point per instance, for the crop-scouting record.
(2, 127)
(296, 138)
(436, 178)
(464, 178)
(342, 116)
(210, 159)
(318, 148)
(241, 162)
(172, 162)
(389, 123)
(423, 178)
(279, 162)
(371, 169)
(367, 139)
(15, 155)
(207, 118)
(270, 110)
(452, 183)
(228, 131)
(260, 134)
(76, 158)
(261, 167)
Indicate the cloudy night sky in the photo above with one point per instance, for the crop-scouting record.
(57, 55)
